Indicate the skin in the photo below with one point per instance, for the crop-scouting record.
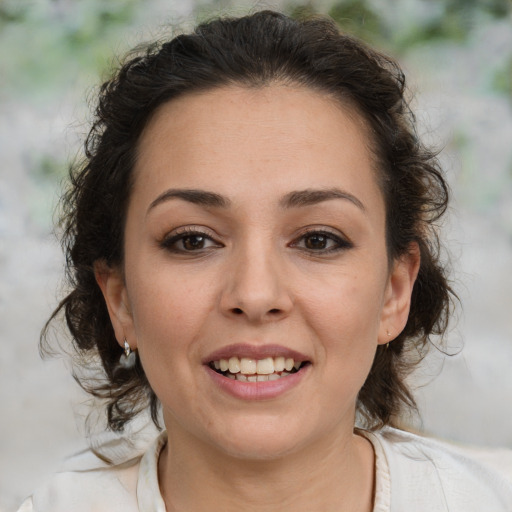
(259, 278)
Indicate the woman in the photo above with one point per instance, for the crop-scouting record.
(252, 251)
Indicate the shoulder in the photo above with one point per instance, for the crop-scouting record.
(88, 484)
(427, 473)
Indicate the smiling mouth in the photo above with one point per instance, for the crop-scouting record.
(246, 369)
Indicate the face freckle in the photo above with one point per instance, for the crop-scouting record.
(256, 225)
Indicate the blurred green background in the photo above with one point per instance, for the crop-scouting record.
(457, 55)
(53, 51)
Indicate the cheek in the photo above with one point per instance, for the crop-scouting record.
(345, 314)
(169, 307)
(169, 315)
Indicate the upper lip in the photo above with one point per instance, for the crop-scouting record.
(254, 352)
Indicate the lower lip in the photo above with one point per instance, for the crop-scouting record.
(258, 390)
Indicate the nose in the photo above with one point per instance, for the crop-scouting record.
(256, 287)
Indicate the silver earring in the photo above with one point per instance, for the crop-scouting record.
(127, 359)
(387, 344)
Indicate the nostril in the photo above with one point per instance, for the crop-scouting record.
(274, 312)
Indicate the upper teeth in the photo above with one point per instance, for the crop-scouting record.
(248, 366)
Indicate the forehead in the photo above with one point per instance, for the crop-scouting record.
(270, 138)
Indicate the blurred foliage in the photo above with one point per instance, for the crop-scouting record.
(12, 12)
(49, 168)
(502, 81)
(204, 10)
(49, 47)
(455, 20)
(432, 21)
(355, 17)
(51, 42)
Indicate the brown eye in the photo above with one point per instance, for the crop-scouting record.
(316, 241)
(189, 241)
(193, 242)
(321, 242)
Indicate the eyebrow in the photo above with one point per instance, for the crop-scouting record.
(295, 199)
(199, 197)
(311, 197)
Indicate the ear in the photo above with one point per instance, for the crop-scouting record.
(397, 299)
(112, 284)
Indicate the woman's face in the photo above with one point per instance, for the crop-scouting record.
(255, 238)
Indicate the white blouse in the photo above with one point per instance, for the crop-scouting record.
(412, 474)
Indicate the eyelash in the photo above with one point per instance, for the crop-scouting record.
(169, 242)
(340, 242)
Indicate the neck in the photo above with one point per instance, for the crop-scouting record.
(337, 473)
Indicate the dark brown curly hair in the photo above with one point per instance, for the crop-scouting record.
(252, 51)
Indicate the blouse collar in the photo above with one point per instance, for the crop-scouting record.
(149, 498)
